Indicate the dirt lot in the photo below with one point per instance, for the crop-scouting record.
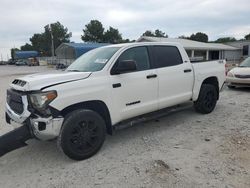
(184, 149)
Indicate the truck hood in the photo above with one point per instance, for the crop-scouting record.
(42, 80)
(241, 70)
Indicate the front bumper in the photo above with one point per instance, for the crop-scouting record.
(40, 127)
(46, 128)
(233, 81)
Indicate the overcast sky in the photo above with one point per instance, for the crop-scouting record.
(19, 20)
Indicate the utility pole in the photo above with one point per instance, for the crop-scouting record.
(52, 43)
(13, 56)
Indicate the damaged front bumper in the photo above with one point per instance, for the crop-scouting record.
(46, 128)
(26, 127)
(41, 128)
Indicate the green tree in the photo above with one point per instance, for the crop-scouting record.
(59, 32)
(42, 41)
(201, 37)
(159, 33)
(93, 32)
(156, 33)
(148, 33)
(27, 47)
(112, 36)
(225, 40)
(247, 37)
(12, 52)
(38, 41)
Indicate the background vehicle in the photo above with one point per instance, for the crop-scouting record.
(3, 62)
(239, 76)
(21, 62)
(106, 88)
(11, 62)
(33, 62)
(61, 66)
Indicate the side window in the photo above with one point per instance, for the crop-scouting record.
(139, 55)
(245, 50)
(166, 56)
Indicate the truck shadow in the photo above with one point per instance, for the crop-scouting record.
(164, 123)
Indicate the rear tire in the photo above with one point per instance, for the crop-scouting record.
(82, 134)
(207, 99)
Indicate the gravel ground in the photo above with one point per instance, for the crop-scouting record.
(183, 149)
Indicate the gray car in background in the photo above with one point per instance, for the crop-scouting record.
(21, 62)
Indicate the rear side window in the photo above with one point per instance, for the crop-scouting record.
(166, 56)
(245, 50)
(139, 55)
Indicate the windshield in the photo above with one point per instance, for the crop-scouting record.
(94, 60)
(245, 63)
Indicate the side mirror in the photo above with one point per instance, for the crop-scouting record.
(123, 67)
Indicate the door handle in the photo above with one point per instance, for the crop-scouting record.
(151, 76)
(187, 70)
(117, 85)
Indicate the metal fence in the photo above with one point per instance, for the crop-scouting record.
(54, 61)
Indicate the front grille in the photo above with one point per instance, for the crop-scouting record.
(14, 100)
(242, 76)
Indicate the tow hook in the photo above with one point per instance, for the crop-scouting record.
(14, 139)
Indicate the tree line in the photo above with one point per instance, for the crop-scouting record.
(95, 32)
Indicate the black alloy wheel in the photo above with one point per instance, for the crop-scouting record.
(207, 99)
(82, 134)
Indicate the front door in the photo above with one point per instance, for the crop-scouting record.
(135, 93)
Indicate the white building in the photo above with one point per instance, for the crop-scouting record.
(243, 45)
(198, 51)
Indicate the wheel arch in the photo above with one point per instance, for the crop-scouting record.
(96, 105)
(213, 80)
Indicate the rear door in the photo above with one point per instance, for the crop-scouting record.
(135, 93)
(175, 77)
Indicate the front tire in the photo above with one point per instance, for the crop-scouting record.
(207, 99)
(82, 135)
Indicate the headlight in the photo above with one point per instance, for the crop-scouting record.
(229, 74)
(41, 100)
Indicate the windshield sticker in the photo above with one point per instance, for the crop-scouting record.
(101, 61)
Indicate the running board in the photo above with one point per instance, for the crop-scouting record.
(14, 139)
(150, 116)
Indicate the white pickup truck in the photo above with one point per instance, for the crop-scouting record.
(105, 88)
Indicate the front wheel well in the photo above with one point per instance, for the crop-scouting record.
(98, 106)
(212, 81)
